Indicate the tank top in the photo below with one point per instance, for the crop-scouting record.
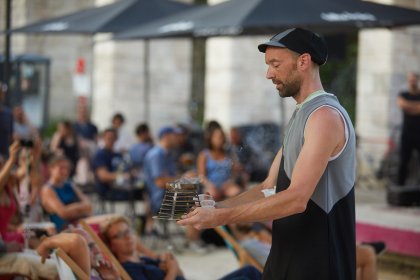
(320, 242)
(67, 195)
(218, 171)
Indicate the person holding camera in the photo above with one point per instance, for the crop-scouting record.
(22, 127)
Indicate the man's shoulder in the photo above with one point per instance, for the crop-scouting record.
(155, 151)
(100, 152)
(104, 153)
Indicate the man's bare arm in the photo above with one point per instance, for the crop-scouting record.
(324, 133)
(255, 193)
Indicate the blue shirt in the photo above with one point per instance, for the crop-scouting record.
(86, 130)
(158, 163)
(67, 196)
(218, 171)
(148, 269)
(111, 161)
(138, 152)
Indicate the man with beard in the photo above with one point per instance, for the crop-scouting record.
(314, 173)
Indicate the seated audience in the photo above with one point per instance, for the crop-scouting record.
(109, 166)
(217, 168)
(15, 262)
(144, 143)
(125, 139)
(121, 240)
(72, 244)
(64, 142)
(160, 166)
(255, 239)
(64, 202)
(101, 268)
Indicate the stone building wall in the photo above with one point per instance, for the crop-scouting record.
(236, 89)
(62, 50)
(119, 82)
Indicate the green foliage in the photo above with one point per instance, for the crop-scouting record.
(339, 77)
(50, 128)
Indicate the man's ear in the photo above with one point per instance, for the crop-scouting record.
(304, 61)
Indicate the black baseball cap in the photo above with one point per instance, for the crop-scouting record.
(301, 41)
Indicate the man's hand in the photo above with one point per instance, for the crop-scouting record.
(201, 218)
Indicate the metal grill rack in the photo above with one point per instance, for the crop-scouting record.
(178, 200)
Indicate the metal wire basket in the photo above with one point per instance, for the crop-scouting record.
(178, 200)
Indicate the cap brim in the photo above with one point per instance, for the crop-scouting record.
(263, 47)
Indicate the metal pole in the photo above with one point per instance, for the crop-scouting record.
(146, 76)
(6, 72)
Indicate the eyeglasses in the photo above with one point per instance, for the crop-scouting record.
(122, 234)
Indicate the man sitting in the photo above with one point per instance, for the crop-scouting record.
(109, 166)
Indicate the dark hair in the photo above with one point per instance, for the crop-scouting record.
(142, 128)
(56, 159)
(67, 124)
(110, 129)
(118, 116)
(212, 124)
(209, 135)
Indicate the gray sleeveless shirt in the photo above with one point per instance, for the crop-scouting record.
(339, 176)
(318, 243)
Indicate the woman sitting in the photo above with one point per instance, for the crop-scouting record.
(139, 262)
(216, 167)
(63, 202)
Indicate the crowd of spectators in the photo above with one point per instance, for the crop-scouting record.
(43, 196)
(45, 184)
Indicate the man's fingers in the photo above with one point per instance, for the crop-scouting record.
(190, 214)
(188, 219)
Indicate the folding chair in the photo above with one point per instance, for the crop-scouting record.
(67, 268)
(241, 254)
(104, 249)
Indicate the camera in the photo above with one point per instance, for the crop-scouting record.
(27, 143)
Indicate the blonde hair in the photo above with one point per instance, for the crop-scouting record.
(109, 223)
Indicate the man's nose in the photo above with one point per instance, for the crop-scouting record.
(269, 75)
